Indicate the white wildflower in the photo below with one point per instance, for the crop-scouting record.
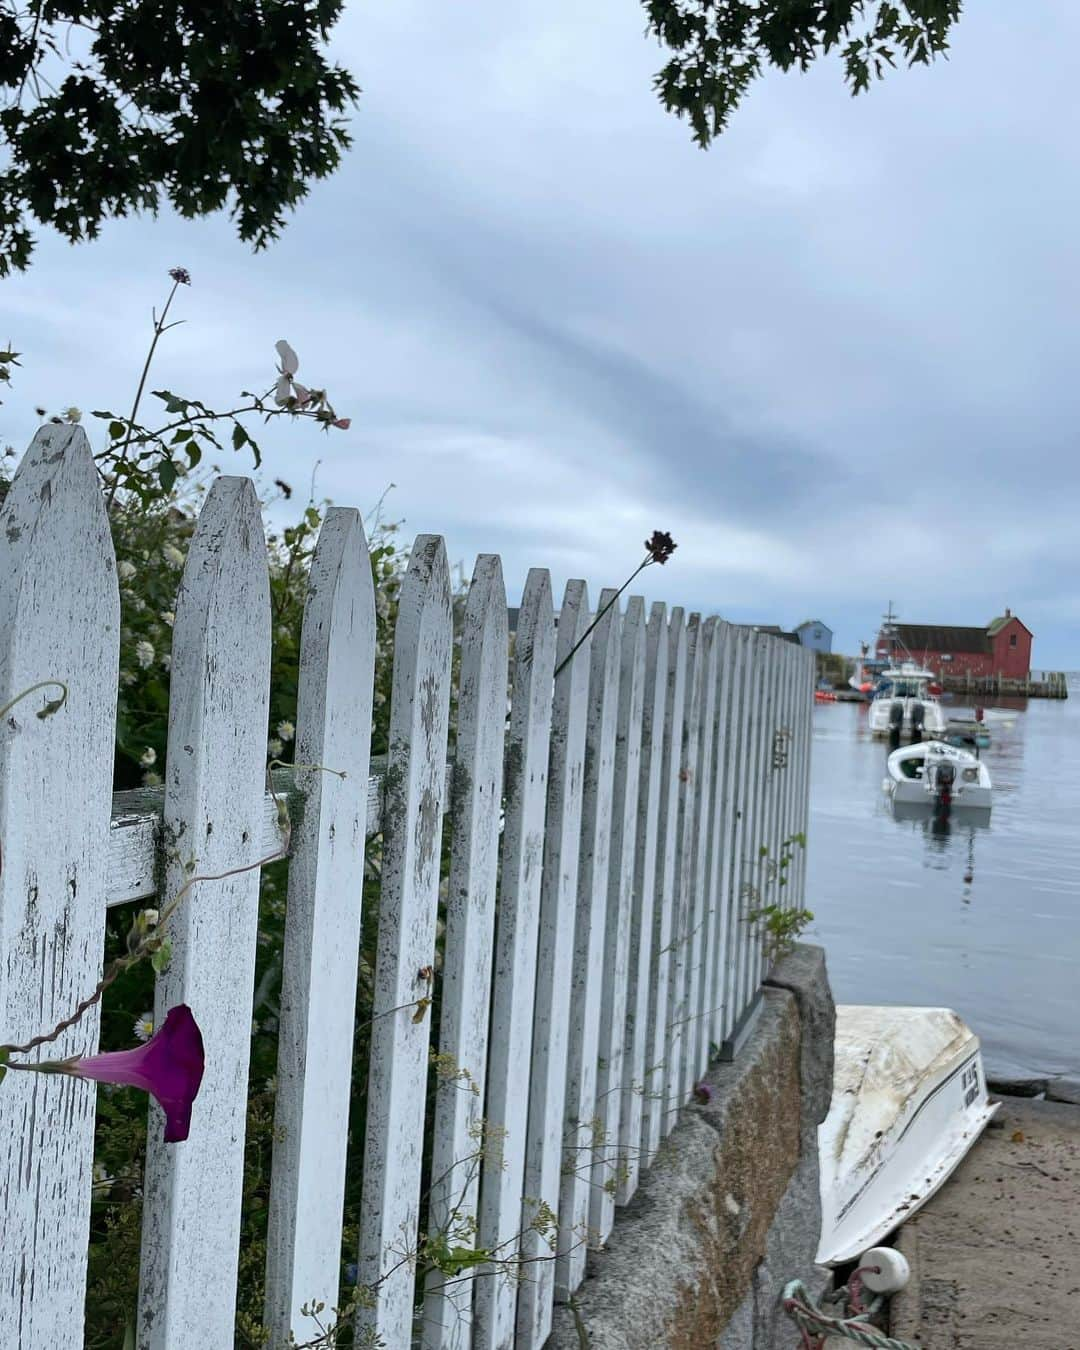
(172, 555)
(166, 662)
(168, 618)
(144, 1026)
(126, 570)
(274, 749)
(144, 653)
(127, 679)
(148, 758)
(150, 917)
(286, 731)
(73, 414)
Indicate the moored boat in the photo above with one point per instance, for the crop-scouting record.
(905, 704)
(935, 774)
(909, 1100)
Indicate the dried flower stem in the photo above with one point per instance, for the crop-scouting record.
(599, 615)
(159, 328)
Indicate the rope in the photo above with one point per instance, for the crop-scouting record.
(800, 1306)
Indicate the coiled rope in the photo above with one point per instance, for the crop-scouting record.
(815, 1325)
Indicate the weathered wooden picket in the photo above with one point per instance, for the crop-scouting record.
(610, 831)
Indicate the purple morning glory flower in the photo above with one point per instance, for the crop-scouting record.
(169, 1066)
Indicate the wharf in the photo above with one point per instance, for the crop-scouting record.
(995, 1254)
(1051, 684)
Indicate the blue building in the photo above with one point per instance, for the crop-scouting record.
(815, 635)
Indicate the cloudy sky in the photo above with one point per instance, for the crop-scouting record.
(836, 355)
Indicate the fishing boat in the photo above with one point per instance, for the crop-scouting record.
(939, 775)
(905, 704)
(909, 1100)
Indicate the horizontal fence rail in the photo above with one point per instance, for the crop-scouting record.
(576, 864)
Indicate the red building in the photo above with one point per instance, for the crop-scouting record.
(1003, 647)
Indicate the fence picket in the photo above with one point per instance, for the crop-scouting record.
(723, 812)
(650, 657)
(581, 1141)
(517, 926)
(666, 667)
(685, 750)
(59, 620)
(667, 860)
(696, 1041)
(621, 933)
(215, 778)
(629, 691)
(404, 973)
(470, 921)
(736, 904)
(322, 930)
(558, 905)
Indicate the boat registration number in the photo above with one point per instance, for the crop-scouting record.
(969, 1082)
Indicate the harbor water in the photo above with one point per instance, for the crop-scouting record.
(982, 918)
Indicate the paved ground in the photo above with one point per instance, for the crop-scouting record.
(995, 1255)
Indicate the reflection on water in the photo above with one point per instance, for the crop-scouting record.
(978, 913)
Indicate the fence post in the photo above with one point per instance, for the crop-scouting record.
(461, 1068)
(59, 621)
(740, 764)
(619, 934)
(404, 972)
(558, 904)
(517, 920)
(215, 786)
(322, 930)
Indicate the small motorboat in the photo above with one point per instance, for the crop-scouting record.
(909, 1100)
(967, 733)
(937, 775)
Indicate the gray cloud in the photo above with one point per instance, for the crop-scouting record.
(834, 355)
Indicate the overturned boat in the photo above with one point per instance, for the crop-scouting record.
(941, 776)
(909, 1100)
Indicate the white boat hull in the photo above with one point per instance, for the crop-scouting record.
(881, 715)
(909, 1100)
(914, 776)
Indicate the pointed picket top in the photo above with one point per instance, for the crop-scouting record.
(215, 781)
(558, 905)
(517, 927)
(612, 1165)
(322, 929)
(59, 620)
(470, 926)
(404, 972)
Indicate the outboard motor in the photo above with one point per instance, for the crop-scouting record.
(944, 778)
(896, 714)
(918, 717)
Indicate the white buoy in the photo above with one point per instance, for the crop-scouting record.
(892, 1274)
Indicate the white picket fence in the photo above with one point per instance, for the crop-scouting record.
(607, 843)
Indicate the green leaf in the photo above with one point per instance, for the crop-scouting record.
(162, 957)
(168, 474)
(116, 430)
(240, 437)
(194, 454)
(184, 434)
